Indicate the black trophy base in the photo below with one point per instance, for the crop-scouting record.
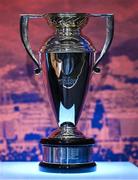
(67, 168)
(67, 150)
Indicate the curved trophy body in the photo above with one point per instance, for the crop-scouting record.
(67, 64)
(67, 60)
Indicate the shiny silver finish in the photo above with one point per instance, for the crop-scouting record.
(67, 60)
(67, 22)
(67, 131)
(67, 154)
(109, 36)
(24, 37)
(67, 146)
(68, 76)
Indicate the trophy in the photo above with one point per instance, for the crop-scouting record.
(66, 61)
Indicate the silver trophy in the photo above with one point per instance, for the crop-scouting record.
(67, 60)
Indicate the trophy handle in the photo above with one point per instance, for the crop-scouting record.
(24, 20)
(108, 40)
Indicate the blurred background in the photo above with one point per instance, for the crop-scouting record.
(110, 113)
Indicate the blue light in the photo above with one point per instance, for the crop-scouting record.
(105, 171)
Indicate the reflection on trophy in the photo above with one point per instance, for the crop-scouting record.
(56, 64)
(67, 61)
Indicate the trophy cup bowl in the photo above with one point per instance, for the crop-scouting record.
(67, 60)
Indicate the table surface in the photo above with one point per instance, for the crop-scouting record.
(105, 171)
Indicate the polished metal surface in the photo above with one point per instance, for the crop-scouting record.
(67, 154)
(67, 131)
(67, 60)
(68, 76)
(24, 37)
(67, 22)
(109, 36)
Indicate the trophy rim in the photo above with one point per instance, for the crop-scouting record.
(66, 14)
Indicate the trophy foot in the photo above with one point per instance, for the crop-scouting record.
(67, 150)
(67, 168)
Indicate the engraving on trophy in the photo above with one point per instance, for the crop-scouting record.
(67, 82)
(68, 67)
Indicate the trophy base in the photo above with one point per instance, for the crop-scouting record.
(67, 150)
(67, 168)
